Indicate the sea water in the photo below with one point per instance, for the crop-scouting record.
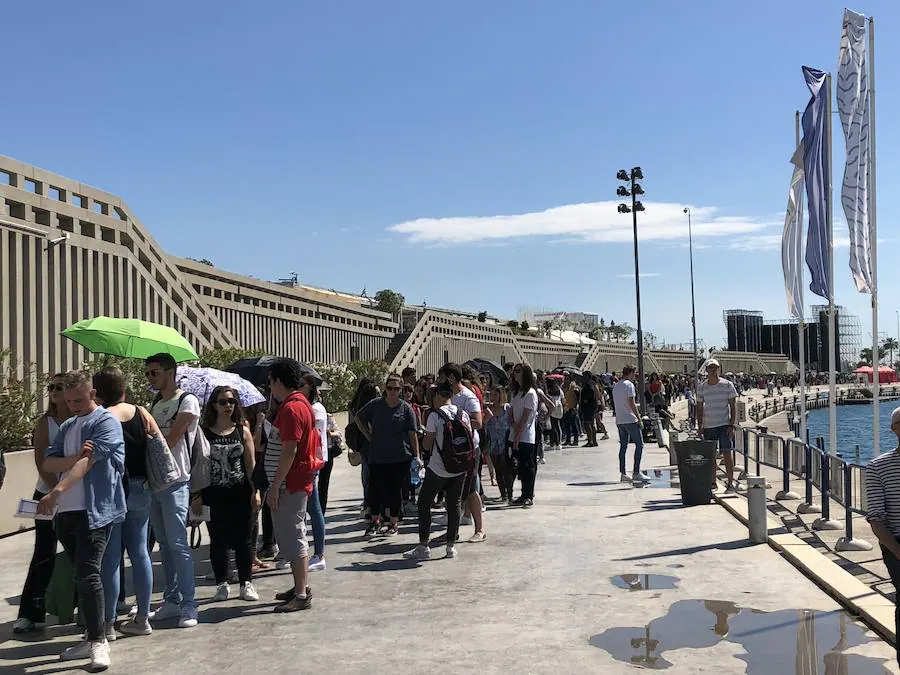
(854, 427)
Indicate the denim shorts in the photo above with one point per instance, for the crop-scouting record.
(719, 434)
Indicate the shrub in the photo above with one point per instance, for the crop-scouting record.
(19, 402)
(343, 378)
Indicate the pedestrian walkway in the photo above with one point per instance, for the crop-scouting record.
(598, 575)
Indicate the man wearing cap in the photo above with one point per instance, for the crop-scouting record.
(716, 414)
(883, 507)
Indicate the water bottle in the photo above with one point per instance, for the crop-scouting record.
(415, 473)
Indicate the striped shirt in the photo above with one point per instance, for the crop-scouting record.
(883, 490)
(715, 399)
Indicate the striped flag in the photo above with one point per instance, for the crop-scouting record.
(792, 239)
(853, 107)
(815, 169)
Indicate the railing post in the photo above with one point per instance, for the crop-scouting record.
(757, 455)
(743, 474)
(825, 522)
(847, 542)
(785, 494)
(807, 506)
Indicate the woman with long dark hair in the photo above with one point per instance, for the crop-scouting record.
(138, 426)
(310, 390)
(522, 416)
(366, 390)
(231, 497)
(31, 605)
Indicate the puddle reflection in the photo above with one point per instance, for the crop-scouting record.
(796, 641)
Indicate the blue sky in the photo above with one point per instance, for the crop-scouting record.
(396, 144)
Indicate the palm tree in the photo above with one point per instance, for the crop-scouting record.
(890, 344)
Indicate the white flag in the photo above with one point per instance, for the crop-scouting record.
(853, 107)
(792, 239)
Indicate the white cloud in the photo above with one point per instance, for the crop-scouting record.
(643, 275)
(771, 242)
(587, 222)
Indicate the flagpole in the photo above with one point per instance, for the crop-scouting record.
(873, 247)
(801, 327)
(829, 233)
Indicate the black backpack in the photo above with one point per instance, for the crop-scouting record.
(458, 447)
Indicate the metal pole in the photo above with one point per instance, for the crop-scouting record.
(693, 306)
(829, 220)
(873, 249)
(637, 296)
(801, 327)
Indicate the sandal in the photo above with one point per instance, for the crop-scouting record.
(260, 566)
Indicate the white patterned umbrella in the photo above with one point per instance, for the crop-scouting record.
(201, 381)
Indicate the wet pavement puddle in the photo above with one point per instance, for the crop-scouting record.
(660, 478)
(644, 582)
(789, 641)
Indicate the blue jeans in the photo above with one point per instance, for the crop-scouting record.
(317, 519)
(168, 515)
(134, 533)
(630, 432)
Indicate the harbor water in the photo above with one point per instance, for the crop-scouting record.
(854, 427)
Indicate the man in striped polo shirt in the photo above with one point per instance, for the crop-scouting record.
(716, 413)
(883, 506)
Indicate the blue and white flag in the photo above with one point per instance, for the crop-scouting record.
(816, 171)
(853, 107)
(792, 239)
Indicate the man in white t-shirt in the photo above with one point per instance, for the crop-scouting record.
(465, 399)
(437, 477)
(177, 415)
(628, 423)
(716, 415)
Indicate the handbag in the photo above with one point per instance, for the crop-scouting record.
(354, 457)
(162, 471)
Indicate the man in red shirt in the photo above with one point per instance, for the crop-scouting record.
(291, 462)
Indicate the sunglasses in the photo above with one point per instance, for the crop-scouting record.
(393, 388)
(226, 401)
(55, 387)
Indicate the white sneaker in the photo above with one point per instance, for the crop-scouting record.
(188, 618)
(99, 656)
(109, 630)
(137, 626)
(317, 564)
(466, 520)
(248, 592)
(625, 478)
(542, 461)
(223, 592)
(78, 652)
(282, 565)
(451, 552)
(133, 611)
(420, 552)
(168, 610)
(640, 477)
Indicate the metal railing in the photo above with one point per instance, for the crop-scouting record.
(814, 400)
(836, 478)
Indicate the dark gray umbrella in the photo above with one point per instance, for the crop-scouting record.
(486, 367)
(570, 370)
(256, 369)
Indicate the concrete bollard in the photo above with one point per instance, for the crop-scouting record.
(756, 509)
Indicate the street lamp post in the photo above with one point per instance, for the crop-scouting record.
(693, 306)
(632, 177)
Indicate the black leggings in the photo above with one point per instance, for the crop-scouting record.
(324, 481)
(32, 604)
(503, 469)
(430, 487)
(386, 483)
(230, 526)
(527, 456)
(555, 431)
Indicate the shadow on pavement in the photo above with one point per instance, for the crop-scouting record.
(724, 546)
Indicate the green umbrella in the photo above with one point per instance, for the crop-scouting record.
(131, 338)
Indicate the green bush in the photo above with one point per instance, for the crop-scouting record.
(19, 402)
(344, 377)
(137, 390)
(222, 358)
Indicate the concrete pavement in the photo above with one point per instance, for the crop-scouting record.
(558, 588)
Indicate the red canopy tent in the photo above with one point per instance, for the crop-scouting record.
(885, 375)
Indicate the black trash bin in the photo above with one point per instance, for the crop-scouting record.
(695, 470)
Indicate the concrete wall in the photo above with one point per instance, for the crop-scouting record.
(21, 476)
